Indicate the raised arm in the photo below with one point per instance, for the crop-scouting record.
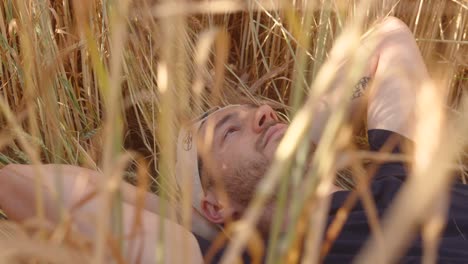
(399, 75)
(388, 84)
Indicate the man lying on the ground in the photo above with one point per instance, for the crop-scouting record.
(235, 145)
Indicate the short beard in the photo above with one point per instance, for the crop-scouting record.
(242, 186)
(241, 189)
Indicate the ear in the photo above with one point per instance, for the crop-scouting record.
(213, 210)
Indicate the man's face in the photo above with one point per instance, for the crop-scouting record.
(236, 146)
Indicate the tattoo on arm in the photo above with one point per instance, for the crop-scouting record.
(360, 87)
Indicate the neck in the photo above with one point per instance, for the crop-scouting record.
(267, 218)
(265, 221)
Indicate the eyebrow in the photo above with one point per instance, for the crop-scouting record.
(223, 121)
(218, 124)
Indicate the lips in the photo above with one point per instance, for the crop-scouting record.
(272, 132)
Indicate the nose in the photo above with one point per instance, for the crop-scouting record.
(264, 115)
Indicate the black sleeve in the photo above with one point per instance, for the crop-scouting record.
(205, 246)
(385, 141)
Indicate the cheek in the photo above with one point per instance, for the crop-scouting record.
(271, 149)
(238, 152)
(226, 161)
(240, 146)
(241, 185)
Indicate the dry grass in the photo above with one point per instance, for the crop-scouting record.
(82, 82)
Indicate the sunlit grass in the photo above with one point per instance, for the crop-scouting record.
(87, 82)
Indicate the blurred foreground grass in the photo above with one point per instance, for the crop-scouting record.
(84, 81)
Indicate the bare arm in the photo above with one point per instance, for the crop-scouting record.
(399, 75)
(142, 244)
(388, 83)
(77, 183)
(17, 199)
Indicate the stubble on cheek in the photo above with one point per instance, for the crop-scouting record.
(242, 184)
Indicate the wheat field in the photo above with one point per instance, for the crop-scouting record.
(97, 83)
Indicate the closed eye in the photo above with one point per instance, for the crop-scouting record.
(229, 132)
